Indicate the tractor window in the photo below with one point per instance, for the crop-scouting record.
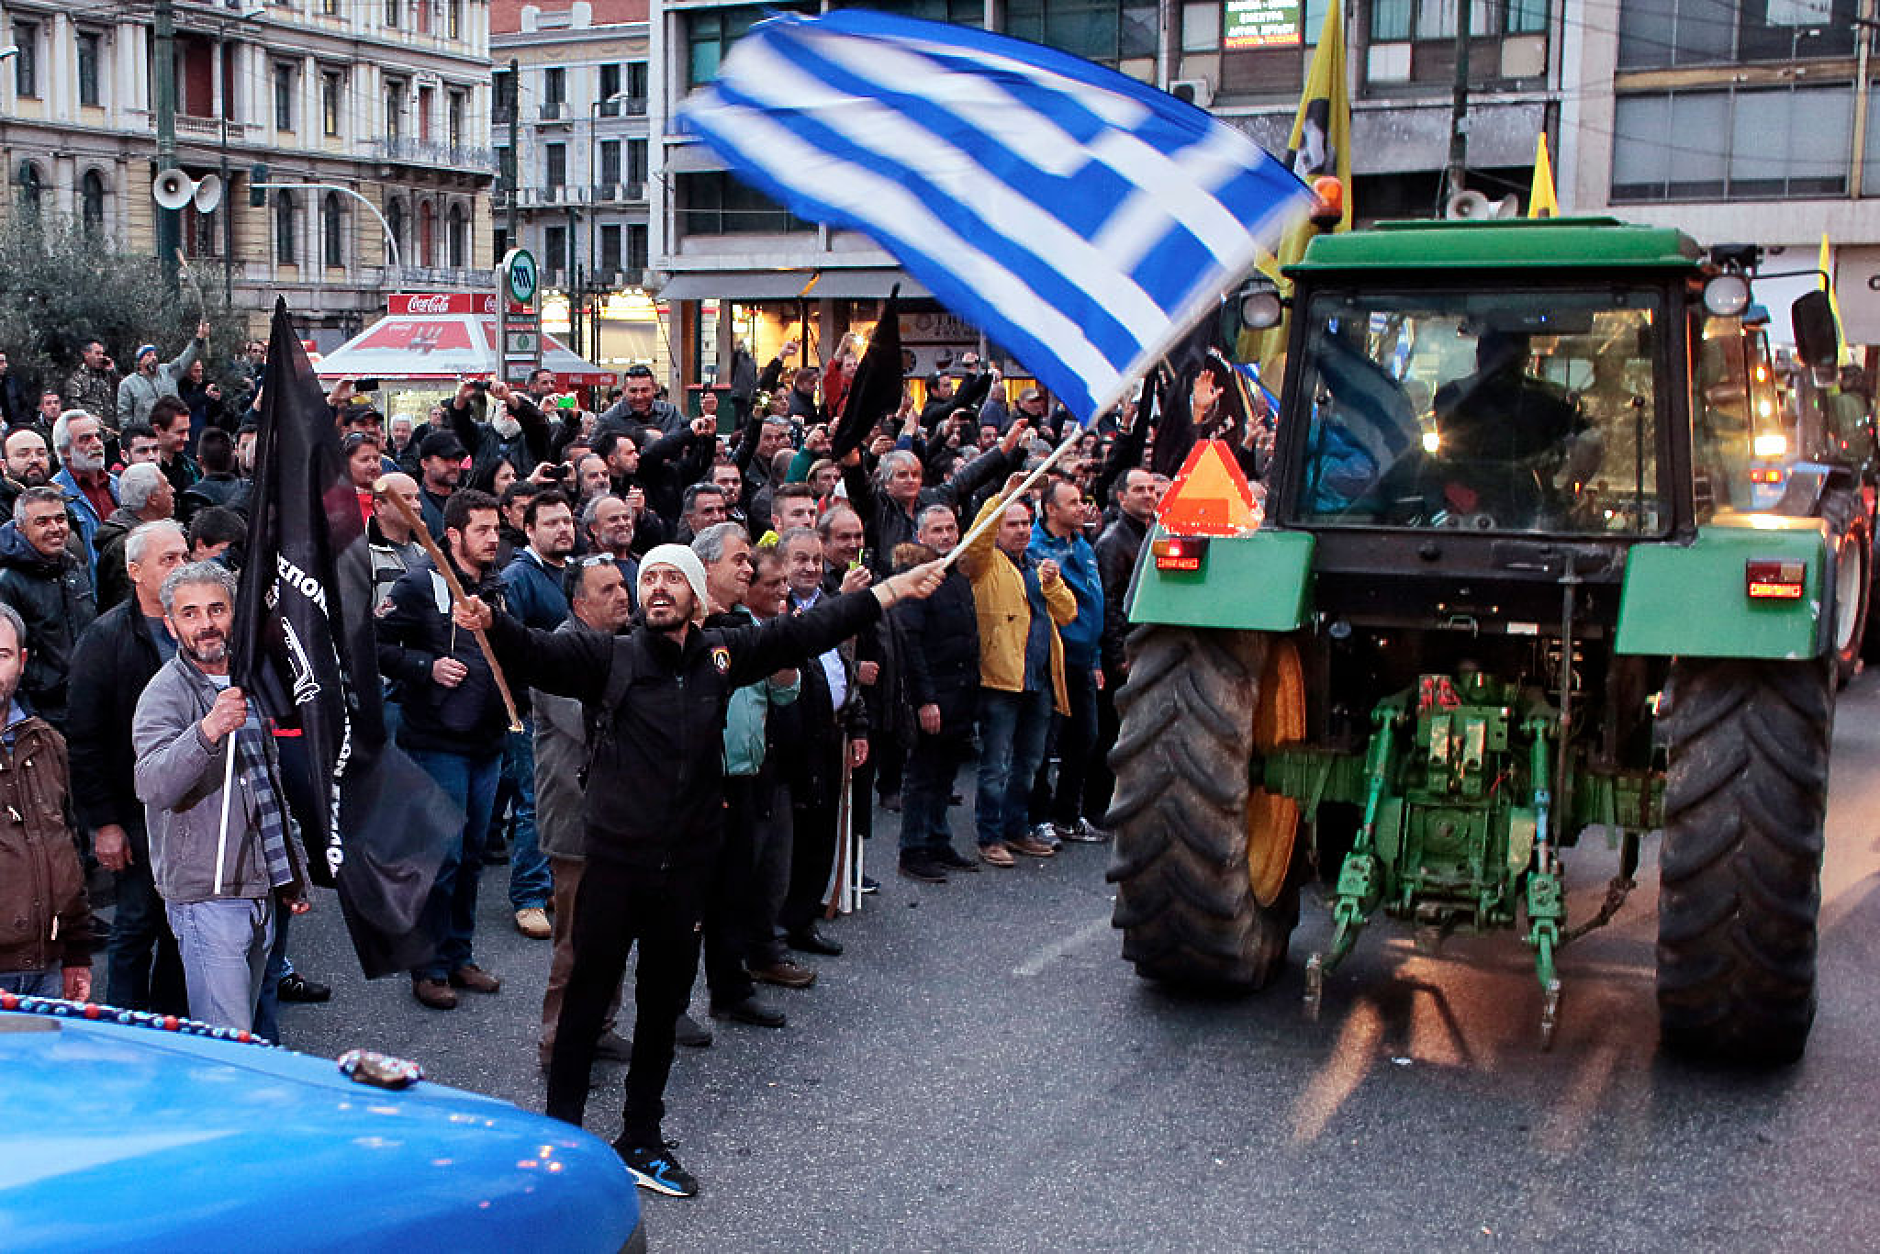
(1503, 411)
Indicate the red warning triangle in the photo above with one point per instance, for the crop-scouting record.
(1210, 497)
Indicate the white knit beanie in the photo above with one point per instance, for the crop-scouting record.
(686, 562)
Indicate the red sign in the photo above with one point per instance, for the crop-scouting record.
(431, 304)
(417, 336)
(1210, 497)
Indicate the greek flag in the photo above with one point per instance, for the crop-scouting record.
(1082, 220)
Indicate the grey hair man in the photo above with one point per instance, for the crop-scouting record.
(221, 885)
(90, 488)
(144, 496)
(51, 589)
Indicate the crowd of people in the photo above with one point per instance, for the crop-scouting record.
(732, 642)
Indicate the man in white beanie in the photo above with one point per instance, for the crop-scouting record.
(654, 807)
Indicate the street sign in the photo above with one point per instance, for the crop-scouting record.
(1261, 24)
(520, 274)
(1210, 497)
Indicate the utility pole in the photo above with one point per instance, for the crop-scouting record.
(1459, 107)
(515, 154)
(169, 221)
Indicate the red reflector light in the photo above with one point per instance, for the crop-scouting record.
(1774, 580)
(1179, 553)
(1771, 475)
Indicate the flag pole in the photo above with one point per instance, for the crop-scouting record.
(228, 789)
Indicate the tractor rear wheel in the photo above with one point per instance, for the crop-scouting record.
(1740, 882)
(1853, 580)
(1203, 861)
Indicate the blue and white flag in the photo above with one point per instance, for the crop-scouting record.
(1079, 218)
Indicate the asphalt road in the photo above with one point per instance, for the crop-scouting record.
(981, 1071)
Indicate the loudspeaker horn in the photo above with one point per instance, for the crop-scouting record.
(1468, 207)
(208, 193)
(173, 189)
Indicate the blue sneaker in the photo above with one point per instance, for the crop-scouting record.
(653, 1167)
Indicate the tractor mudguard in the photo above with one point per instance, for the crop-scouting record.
(1694, 600)
(1259, 582)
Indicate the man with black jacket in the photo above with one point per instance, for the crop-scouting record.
(452, 723)
(115, 658)
(654, 808)
(1117, 548)
(517, 432)
(941, 672)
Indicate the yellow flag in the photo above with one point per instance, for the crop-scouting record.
(1825, 264)
(1541, 200)
(1320, 144)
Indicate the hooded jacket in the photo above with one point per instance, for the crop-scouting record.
(53, 596)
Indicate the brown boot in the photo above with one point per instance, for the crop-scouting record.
(474, 978)
(433, 993)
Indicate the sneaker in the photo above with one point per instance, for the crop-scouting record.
(1084, 832)
(997, 854)
(690, 1033)
(1047, 834)
(433, 993)
(870, 885)
(474, 978)
(532, 922)
(653, 1167)
(949, 858)
(1030, 846)
(784, 972)
(918, 866)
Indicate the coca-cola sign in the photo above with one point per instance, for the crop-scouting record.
(433, 304)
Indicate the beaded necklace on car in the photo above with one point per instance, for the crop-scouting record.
(60, 1009)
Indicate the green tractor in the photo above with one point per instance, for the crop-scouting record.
(1500, 599)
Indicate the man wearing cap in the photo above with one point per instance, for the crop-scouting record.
(153, 379)
(654, 807)
(440, 463)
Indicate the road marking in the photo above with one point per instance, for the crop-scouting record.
(1084, 935)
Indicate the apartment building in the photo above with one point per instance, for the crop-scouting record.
(1740, 123)
(385, 99)
(571, 135)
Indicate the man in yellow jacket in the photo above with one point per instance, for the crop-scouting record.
(1020, 604)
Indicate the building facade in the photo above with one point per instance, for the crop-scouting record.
(571, 136)
(736, 269)
(1740, 123)
(388, 99)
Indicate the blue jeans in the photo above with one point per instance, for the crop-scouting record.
(225, 944)
(1012, 727)
(141, 967)
(530, 883)
(34, 983)
(450, 912)
(1072, 739)
(268, 1005)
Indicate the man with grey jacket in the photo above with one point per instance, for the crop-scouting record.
(152, 379)
(220, 885)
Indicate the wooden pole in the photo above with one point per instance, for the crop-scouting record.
(442, 563)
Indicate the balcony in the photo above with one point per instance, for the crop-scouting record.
(555, 111)
(617, 193)
(432, 154)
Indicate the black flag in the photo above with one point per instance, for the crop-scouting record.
(875, 392)
(302, 644)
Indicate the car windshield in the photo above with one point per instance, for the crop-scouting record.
(1498, 411)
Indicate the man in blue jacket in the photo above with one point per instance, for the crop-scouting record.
(532, 586)
(1058, 536)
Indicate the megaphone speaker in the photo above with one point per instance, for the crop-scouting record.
(208, 193)
(1467, 206)
(172, 189)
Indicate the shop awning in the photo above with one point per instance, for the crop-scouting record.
(766, 285)
(444, 347)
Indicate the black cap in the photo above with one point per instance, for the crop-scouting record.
(442, 444)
